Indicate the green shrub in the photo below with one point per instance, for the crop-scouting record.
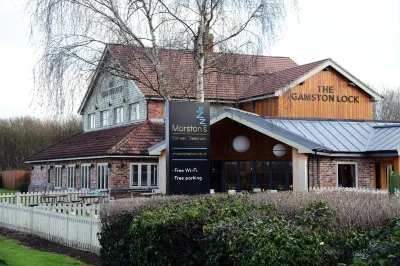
(263, 229)
(23, 187)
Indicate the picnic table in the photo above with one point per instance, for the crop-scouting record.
(89, 199)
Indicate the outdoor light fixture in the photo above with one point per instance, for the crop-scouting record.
(109, 165)
(41, 167)
(301, 83)
(32, 167)
(122, 165)
(91, 165)
(241, 143)
(109, 104)
(352, 84)
(124, 100)
(96, 107)
(326, 69)
(76, 166)
(279, 150)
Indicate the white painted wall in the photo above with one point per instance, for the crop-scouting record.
(300, 178)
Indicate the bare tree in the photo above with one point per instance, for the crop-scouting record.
(21, 137)
(72, 35)
(389, 107)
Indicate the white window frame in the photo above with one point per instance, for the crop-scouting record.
(71, 176)
(101, 185)
(135, 106)
(92, 121)
(121, 120)
(140, 175)
(105, 122)
(58, 169)
(83, 166)
(337, 172)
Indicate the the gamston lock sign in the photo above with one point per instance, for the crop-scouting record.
(325, 94)
(188, 148)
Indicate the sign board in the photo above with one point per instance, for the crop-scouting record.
(188, 147)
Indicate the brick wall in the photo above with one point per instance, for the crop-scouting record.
(119, 177)
(155, 109)
(328, 171)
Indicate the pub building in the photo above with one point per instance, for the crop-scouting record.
(282, 126)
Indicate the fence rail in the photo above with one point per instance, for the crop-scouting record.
(36, 197)
(70, 230)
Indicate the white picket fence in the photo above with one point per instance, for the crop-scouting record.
(36, 197)
(352, 189)
(71, 230)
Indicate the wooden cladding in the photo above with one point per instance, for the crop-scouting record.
(223, 133)
(327, 94)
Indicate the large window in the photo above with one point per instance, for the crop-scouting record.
(58, 176)
(71, 176)
(91, 121)
(347, 174)
(119, 115)
(144, 175)
(134, 111)
(102, 176)
(105, 118)
(85, 176)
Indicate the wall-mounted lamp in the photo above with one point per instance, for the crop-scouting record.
(109, 165)
(241, 143)
(91, 165)
(96, 107)
(352, 84)
(50, 167)
(326, 69)
(32, 167)
(124, 100)
(301, 83)
(109, 104)
(41, 167)
(122, 165)
(63, 166)
(279, 150)
(76, 166)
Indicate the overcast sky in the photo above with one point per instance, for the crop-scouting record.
(362, 36)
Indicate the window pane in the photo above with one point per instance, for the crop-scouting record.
(133, 112)
(262, 175)
(347, 175)
(246, 175)
(48, 176)
(98, 176)
(137, 111)
(153, 175)
(135, 175)
(279, 175)
(105, 177)
(143, 180)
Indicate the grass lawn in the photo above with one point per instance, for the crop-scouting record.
(3, 191)
(16, 255)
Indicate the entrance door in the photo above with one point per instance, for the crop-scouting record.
(246, 175)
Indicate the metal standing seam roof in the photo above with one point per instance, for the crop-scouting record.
(352, 136)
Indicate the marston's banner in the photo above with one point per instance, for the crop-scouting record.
(188, 147)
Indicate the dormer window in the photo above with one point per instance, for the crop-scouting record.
(91, 121)
(134, 111)
(119, 115)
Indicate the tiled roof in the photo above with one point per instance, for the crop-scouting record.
(227, 77)
(124, 140)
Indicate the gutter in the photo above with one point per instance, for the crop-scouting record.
(95, 157)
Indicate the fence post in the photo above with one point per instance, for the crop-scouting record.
(18, 198)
